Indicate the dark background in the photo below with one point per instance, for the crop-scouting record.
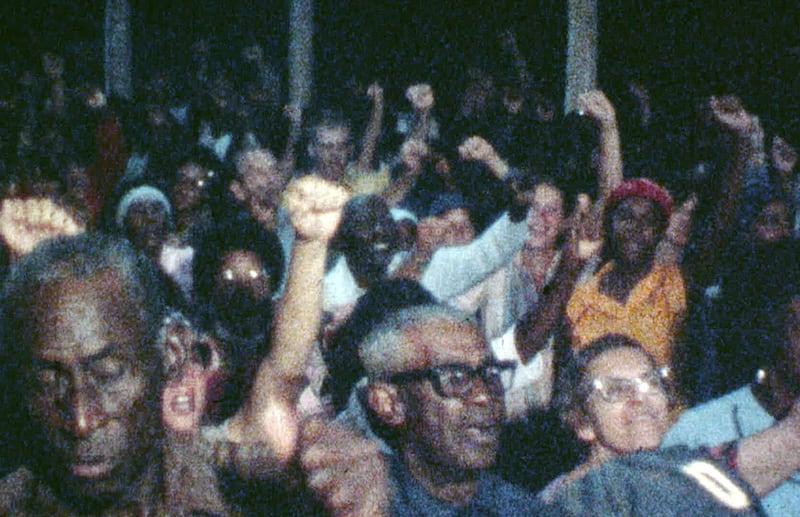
(681, 49)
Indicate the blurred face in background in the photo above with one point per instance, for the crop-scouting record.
(545, 216)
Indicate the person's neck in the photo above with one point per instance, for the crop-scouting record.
(598, 454)
(775, 394)
(451, 485)
(623, 278)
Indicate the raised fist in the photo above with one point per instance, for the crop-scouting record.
(315, 207)
(420, 96)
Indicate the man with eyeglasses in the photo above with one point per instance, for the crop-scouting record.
(434, 382)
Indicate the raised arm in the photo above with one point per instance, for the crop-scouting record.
(314, 207)
(731, 115)
(374, 92)
(421, 98)
(413, 154)
(479, 149)
(767, 459)
(596, 105)
(535, 327)
(509, 42)
(677, 234)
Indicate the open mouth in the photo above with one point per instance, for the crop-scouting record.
(91, 467)
(183, 403)
(482, 433)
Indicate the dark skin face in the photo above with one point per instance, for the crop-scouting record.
(191, 187)
(93, 398)
(243, 291)
(146, 226)
(637, 225)
(374, 240)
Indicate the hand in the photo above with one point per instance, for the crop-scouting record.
(345, 470)
(294, 114)
(585, 230)
(478, 149)
(783, 155)
(420, 96)
(729, 112)
(596, 105)
(24, 223)
(375, 92)
(680, 222)
(412, 153)
(315, 207)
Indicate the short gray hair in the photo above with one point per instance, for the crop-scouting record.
(69, 258)
(386, 351)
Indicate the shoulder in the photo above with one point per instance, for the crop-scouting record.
(671, 482)
(507, 498)
(15, 488)
(712, 422)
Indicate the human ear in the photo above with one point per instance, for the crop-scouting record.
(585, 431)
(384, 399)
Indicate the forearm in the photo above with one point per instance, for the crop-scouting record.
(610, 167)
(371, 135)
(537, 325)
(767, 459)
(422, 123)
(268, 415)
(299, 313)
(399, 188)
(453, 270)
(717, 232)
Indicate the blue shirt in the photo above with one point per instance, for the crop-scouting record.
(494, 497)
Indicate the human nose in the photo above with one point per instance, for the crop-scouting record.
(85, 413)
(479, 391)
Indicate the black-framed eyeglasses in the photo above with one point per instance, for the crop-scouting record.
(457, 380)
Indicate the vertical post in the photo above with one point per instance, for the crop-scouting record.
(301, 52)
(117, 51)
(581, 66)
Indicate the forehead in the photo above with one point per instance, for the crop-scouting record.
(622, 362)
(78, 319)
(547, 196)
(256, 160)
(146, 205)
(241, 260)
(440, 342)
(636, 206)
(191, 170)
(332, 135)
(455, 215)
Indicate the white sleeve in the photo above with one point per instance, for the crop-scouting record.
(455, 269)
(532, 385)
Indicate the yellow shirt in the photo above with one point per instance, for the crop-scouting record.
(650, 316)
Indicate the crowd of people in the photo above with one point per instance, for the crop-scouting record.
(214, 304)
